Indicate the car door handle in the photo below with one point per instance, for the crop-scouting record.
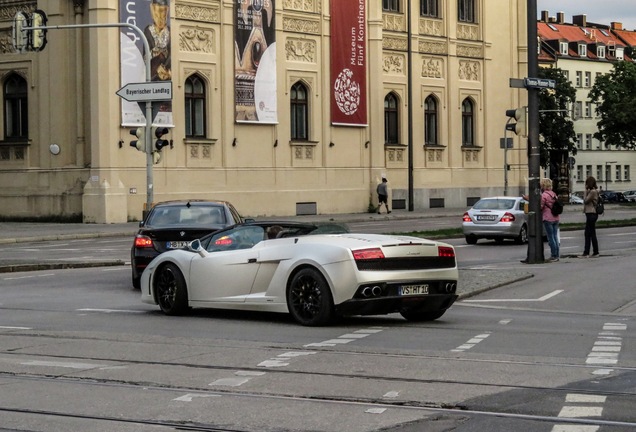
(251, 260)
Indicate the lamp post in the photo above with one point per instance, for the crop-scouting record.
(606, 173)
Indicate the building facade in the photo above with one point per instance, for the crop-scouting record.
(585, 51)
(436, 91)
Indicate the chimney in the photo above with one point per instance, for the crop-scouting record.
(580, 20)
(560, 17)
(545, 16)
(617, 26)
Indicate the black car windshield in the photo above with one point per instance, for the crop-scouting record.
(494, 204)
(184, 216)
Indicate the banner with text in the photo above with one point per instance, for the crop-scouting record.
(153, 17)
(255, 61)
(348, 63)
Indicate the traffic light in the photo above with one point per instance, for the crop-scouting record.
(20, 36)
(159, 133)
(140, 142)
(37, 35)
(519, 115)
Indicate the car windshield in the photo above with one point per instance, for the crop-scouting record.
(495, 204)
(196, 216)
(240, 237)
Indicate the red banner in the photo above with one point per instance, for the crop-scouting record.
(348, 62)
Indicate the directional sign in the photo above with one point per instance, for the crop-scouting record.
(539, 83)
(146, 91)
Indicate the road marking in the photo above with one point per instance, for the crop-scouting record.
(71, 365)
(346, 338)
(577, 411)
(544, 298)
(471, 343)
(391, 394)
(29, 276)
(584, 398)
(375, 410)
(15, 328)
(188, 397)
(109, 310)
(504, 322)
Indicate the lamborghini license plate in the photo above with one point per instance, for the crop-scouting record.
(406, 290)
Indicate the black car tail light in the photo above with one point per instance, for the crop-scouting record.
(143, 242)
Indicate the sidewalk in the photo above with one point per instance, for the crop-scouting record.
(471, 281)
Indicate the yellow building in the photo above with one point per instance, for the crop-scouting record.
(65, 136)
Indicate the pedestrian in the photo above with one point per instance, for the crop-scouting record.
(589, 208)
(550, 221)
(383, 195)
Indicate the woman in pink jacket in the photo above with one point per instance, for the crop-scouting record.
(550, 222)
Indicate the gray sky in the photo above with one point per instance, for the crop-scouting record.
(597, 11)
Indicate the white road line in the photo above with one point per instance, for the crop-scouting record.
(72, 365)
(15, 328)
(188, 397)
(544, 298)
(29, 276)
(471, 343)
(577, 411)
(584, 398)
(506, 321)
(109, 310)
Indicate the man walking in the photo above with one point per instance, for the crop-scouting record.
(383, 196)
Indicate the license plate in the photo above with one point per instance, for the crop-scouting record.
(487, 217)
(176, 244)
(413, 289)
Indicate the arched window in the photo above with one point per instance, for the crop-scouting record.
(468, 123)
(299, 114)
(466, 11)
(391, 119)
(16, 124)
(194, 107)
(430, 121)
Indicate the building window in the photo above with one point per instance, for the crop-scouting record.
(299, 113)
(618, 172)
(588, 79)
(588, 171)
(578, 110)
(579, 141)
(588, 141)
(600, 52)
(468, 123)
(430, 121)
(391, 5)
(620, 53)
(583, 50)
(599, 172)
(588, 109)
(626, 175)
(608, 172)
(16, 125)
(466, 11)
(563, 48)
(429, 8)
(194, 90)
(579, 172)
(391, 119)
(579, 77)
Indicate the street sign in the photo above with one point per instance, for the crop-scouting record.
(516, 83)
(146, 91)
(539, 83)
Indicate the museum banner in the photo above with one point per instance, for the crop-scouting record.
(255, 61)
(348, 63)
(153, 18)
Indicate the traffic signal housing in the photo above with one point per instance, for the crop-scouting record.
(160, 142)
(519, 127)
(140, 142)
(37, 37)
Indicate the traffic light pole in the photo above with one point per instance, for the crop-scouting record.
(148, 127)
(535, 220)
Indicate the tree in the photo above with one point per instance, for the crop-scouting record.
(615, 97)
(555, 124)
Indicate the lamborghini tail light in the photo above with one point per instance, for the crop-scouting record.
(367, 254)
(445, 252)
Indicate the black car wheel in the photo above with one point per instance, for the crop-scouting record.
(418, 316)
(522, 238)
(170, 290)
(471, 239)
(309, 298)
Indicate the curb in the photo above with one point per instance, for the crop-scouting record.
(13, 268)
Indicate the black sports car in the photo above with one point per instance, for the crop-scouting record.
(172, 224)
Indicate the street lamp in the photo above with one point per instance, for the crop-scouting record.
(606, 173)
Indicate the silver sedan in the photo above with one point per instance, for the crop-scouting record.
(496, 218)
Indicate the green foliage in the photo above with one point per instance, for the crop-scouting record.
(555, 123)
(615, 97)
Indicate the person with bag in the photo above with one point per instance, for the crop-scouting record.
(590, 202)
(550, 220)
